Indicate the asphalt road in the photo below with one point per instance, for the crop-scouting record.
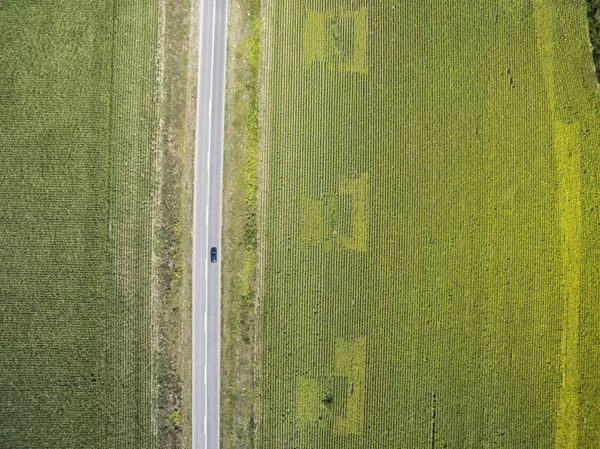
(206, 276)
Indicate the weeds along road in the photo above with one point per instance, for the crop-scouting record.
(206, 284)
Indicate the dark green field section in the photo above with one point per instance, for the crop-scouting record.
(77, 132)
(429, 228)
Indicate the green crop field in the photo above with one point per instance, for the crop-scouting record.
(78, 124)
(428, 231)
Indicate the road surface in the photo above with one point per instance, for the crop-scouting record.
(206, 281)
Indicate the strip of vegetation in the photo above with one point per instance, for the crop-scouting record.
(240, 226)
(173, 228)
(251, 168)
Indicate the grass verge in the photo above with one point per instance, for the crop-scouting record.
(240, 226)
(173, 226)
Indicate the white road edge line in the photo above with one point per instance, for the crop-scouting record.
(210, 103)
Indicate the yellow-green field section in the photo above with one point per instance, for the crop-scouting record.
(428, 245)
(78, 86)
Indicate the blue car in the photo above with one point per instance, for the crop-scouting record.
(213, 255)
